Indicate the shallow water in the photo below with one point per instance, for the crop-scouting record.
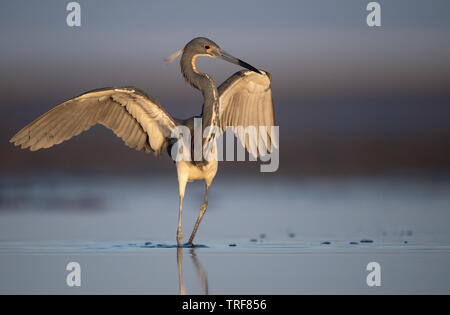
(259, 236)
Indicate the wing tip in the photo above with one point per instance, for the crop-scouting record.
(14, 138)
(16, 142)
(263, 73)
(21, 146)
(268, 74)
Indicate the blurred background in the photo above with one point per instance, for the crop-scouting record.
(364, 116)
(349, 99)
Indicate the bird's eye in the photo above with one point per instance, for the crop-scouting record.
(207, 47)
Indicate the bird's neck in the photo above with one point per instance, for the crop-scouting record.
(202, 82)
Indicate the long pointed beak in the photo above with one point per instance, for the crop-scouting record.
(227, 57)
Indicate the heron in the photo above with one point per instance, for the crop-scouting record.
(244, 99)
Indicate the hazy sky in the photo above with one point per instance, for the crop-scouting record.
(329, 68)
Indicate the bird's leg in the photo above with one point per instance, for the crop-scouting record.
(179, 232)
(200, 216)
(182, 184)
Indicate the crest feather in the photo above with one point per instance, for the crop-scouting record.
(173, 56)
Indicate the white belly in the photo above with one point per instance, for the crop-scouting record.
(188, 171)
(193, 172)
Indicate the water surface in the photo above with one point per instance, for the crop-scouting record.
(258, 236)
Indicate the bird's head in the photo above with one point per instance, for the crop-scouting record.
(202, 46)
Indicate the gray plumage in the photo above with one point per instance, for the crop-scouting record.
(139, 120)
(245, 99)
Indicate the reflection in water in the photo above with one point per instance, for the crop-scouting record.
(180, 269)
(201, 272)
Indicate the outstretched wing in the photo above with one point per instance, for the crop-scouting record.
(139, 120)
(246, 101)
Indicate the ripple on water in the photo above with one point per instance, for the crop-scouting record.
(228, 247)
